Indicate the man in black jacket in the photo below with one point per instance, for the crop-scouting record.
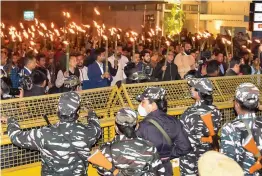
(39, 83)
(169, 71)
(234, 67)
(165, 132)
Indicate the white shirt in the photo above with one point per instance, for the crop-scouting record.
(28, 70)
(60, 79)
(120, 75)
(101, 67)
(83, 74)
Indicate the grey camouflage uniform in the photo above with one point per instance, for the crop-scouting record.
(232, 133)
(132, 156)
(195, 127)
(58, 155)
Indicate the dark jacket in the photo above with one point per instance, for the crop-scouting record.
(170, 74)
(95, 79)
(245, 69)
(231, 72)
(173, 128)
(225, 69)
(35, 91)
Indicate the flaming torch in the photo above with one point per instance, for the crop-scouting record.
(106, 39)
(168, 44)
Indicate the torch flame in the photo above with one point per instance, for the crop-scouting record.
(229, 42)
(105, 37)
(32, 43)
(65, 42)
(43, 26)
(21, 25)
(51, 38)
(95, 23)
(71, 31)
(87, 26)
(52, 25)
(36, 21)
(41, 33)
(33, 28)
(68, 15)
(229, 33)
(96, 11)
(25, 34)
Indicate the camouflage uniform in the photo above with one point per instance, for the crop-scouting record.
(132, 156)
(65, 146)
(195, 127)
(232, 137)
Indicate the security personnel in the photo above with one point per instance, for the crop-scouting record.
(127, 152)
(164, 131)
(236, 134)
(65, 146)
(201, 91)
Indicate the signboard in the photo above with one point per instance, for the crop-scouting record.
(258, 26)
(257, 16)
(258, 7)
(29, 15)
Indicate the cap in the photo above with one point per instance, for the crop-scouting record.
(216, 164)
(203, 85)
(68, 103)
(126, 117)
(152, 93)
(71, 81)
(137, 75)
(248, 94)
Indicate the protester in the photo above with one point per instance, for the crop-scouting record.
(63, 74)
(212, 68)
(39, 81)
(98, 74)
(234, 67)
(30, 65)
(256, 69)
(219, 57)
(118, 61)
(184, 60)
(167, 70)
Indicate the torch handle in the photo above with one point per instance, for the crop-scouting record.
(106, 55)
(67, 58)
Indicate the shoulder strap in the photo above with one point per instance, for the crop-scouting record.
(161, 130)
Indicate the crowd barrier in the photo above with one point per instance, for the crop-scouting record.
(106, 102)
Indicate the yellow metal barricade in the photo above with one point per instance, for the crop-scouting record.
(106, 102)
